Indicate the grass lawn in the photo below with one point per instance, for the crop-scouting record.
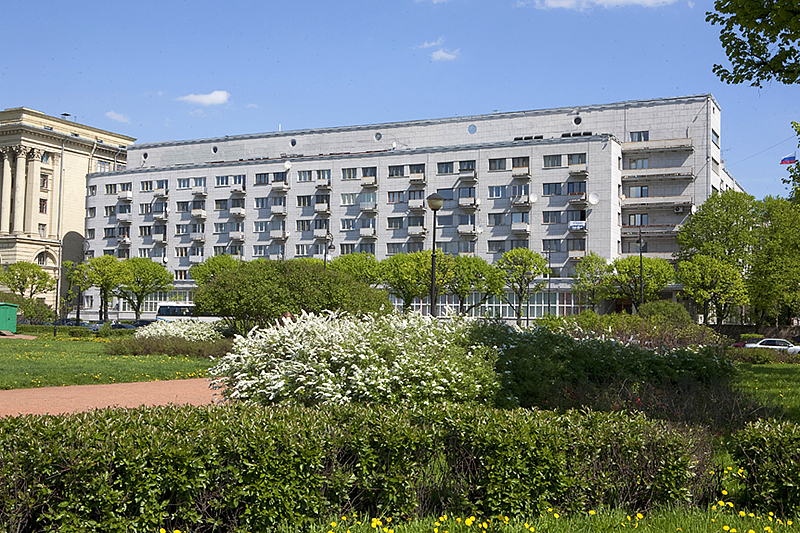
(777, 384)
(47, 362)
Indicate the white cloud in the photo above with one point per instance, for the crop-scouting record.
(431, 44)
(582, 5)
(445, 55)
(214, 98)
(252, 106)
(119, 117)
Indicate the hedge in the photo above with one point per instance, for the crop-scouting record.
(248, 468)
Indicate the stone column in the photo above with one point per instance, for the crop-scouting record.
(31, 189)
(19, 190)
(5, 192)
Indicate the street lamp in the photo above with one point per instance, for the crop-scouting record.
(435, 202)
(640, 243)
(328, 246)
(529, 277)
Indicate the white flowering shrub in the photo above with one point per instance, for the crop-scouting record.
(190, 330)
(338, 359)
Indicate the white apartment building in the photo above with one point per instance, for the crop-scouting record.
(559, 181)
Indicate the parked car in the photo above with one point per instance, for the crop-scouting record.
(142, 322)
(120, 325)
(775, 344)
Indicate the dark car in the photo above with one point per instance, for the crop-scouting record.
(119, 325)
(140, 323)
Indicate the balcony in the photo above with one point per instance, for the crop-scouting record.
(675, 173)
(238, 188)
(577, 254)
(368, 233)
(321, 233)
(369, 181)
(521, 172)
(159, 238)
(125, 196)
(281, 186)
(680, 202)
(577, 198)
(198, 213)
(324, 184)
(522, 200)
(468, 175)
(468, 229)
(198, 236)
(199, 190)
(469, 203)
(278, 210)
(417, 231)
(578, 171)
(236, 236)
(577, 226)
(123, 241)
(520, 227)
(279, 234)
(368, 206)
(322, 208)
(416, 205)
(124, 218)
(161, 193)
(238, 212)
(664, 145)
(418, 177)
(161, 216)
(652, 230)
(196, 259)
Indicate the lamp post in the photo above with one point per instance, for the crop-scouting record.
(640, 243)
(529, 277)
(435, 202)
(328, 246)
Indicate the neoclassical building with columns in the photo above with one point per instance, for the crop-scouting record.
(44, 161)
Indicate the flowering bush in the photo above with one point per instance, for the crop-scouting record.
(190, 330)
(339, 359)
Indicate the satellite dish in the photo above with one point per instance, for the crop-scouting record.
(394, 145)
(533, 198)
(165, 259)
(287, 165)
(623, 197)
(594, 198)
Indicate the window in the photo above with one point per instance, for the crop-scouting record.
(551, 217)
(412, 247)
(640, 136)
(304, 201)
(90, 233)
(395, 171)
(182, 207)
(324, 175)
(417, 194)
(124, 232)
(304, 175)
(639, 163)
(638, 191)
(444, 221)
(145, 209)
(552, 161)
(551, 189)
(111, 188)
(90, 212)
(444, 168)
(111, 210)
(220, 205)
(145, 231)
(520, 190)
(44, 182)
(349, 173)
(236, 249)
(346, 249)
(220, 227)
(551, 245)
(576, 245)
(416, 221)
(576, 159)
(576, 187)
(181, 229)
(520, 162)
(514, 244)
(369, 172)
(222, 181)
(238, 179)
(497, 247)
(160, 184)
(321, 223)
(123, 253)
(261, 226)
(279, 177)
(200, 182)
(260, 250)
(348, 224)
(396, 197)
(42, 230)
(416, 169)
(447, 194)
(367, 248)
(196, 251)
(497, 219)
(198, 228)
(146, 186)
(464, 166)
(262, 203)
(522, 217)
(144, 253)
(103, 166)
(466, 247)
(368, 222)
(43, 205)
(181, 275)
(639, 219)
(497, 164)
(497, 192)
(368, 197)
(466, 192)
(715, 138)
(395, 223)
(303, 225)
(46, 157)
(393, 248)
(220, 250)
(302, 250)
(92, 190)
(715, 165)
(262, 178)
(183, 183)
(322, 199)
(575, 215)
(349, 198)
(109, 233)
(466, 220)
(237, 202)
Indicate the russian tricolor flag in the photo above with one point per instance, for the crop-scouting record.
(789, 159)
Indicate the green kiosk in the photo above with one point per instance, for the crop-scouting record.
(8, 317)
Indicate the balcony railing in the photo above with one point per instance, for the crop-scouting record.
(367, 232)
(199, 190)
(198, 213)
(520, 227)
(125, 196)
(417, 204)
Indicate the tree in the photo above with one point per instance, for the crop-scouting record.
(761, 39)
(712, 284)
(27, 279)
(407, 276)
(104, 272)
(793, 180)
(723, 228)
(139, 278)
(361, 266)
(519, 266)
(590, 275)
(473, 275)
(76, 278)
(625, 282)
(33, 309)
(205, 271)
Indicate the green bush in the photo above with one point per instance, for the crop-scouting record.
(172, 346)
(754, 356)
(675, 313)
(247, 468)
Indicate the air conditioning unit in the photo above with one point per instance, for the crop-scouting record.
(678, 209)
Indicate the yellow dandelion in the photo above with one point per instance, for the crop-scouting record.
(724, 492)
(555, 515)
(639, 516)
(726, 528)
(436, 530)
(333, 524)
(592, 512)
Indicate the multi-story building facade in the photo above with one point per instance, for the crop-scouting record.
(44, 161)
(559, 181)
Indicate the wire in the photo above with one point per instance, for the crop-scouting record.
(761, 152)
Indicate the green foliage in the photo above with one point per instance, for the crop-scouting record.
(34, 310)
(520, 266)
(712, 283)
(408, 276)
(760, 38)
(76, 280)
(139, 278)
(205, 271)
(672, 312)
(625, 281)
(473, 275)
(26, 279)
(753, 356)
(793, 179)
(590, 278)
(171, 346)
(105, 273)
(361, 266)
(243, 468)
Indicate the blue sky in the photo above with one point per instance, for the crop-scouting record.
(171, 69)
